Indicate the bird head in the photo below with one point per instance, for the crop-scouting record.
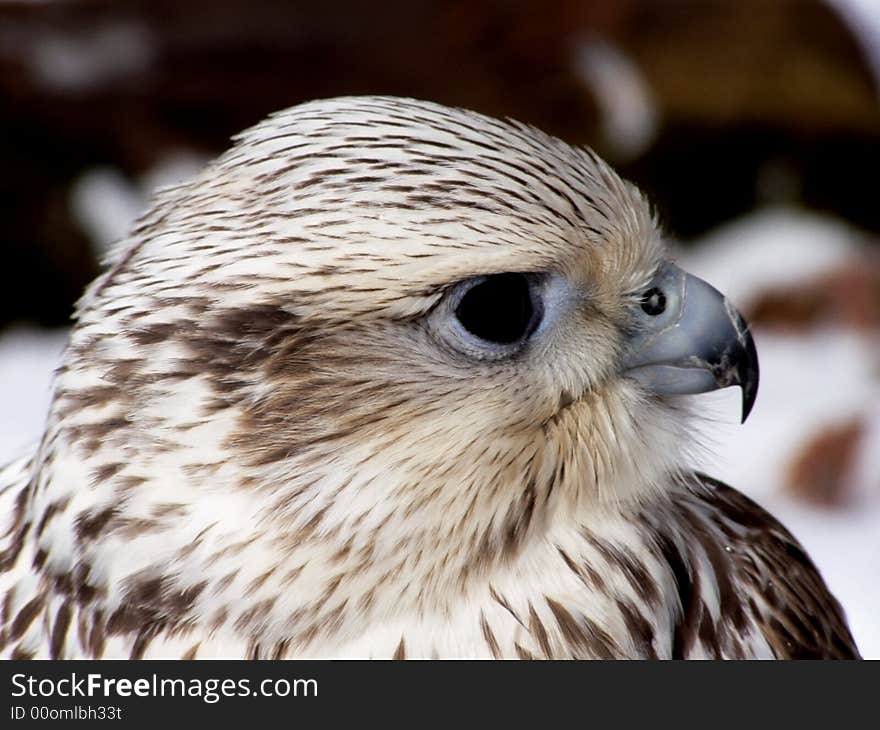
(379, 337)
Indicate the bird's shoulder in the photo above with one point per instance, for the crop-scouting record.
(766, 583)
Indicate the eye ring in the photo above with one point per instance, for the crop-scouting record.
(653, 302)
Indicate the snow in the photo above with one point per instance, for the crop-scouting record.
(807, 384)
(27, 359)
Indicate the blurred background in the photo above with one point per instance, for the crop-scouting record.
(754, 126)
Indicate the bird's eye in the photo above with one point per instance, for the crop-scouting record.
(499, 309)
(654, 302)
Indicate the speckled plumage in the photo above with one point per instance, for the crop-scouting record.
(260, 446)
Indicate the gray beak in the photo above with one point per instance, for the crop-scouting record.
(688, 338)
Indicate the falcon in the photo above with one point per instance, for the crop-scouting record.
(391, 379)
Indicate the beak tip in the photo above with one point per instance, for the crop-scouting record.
(748, 369)
(746, 407)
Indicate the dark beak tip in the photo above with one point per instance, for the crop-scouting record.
(749, 383)
(748, 403)
(749, 395)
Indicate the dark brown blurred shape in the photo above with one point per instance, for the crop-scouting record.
(744, 89)
(846, 297)
(822, 471)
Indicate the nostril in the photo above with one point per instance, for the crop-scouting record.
(654, 302)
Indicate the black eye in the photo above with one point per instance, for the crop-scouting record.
(499, 309)
(654, 302)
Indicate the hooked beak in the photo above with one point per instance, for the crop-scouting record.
(690, 339)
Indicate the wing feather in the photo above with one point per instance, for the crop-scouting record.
(780, 589)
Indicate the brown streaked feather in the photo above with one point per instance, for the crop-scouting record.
(797, 614)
